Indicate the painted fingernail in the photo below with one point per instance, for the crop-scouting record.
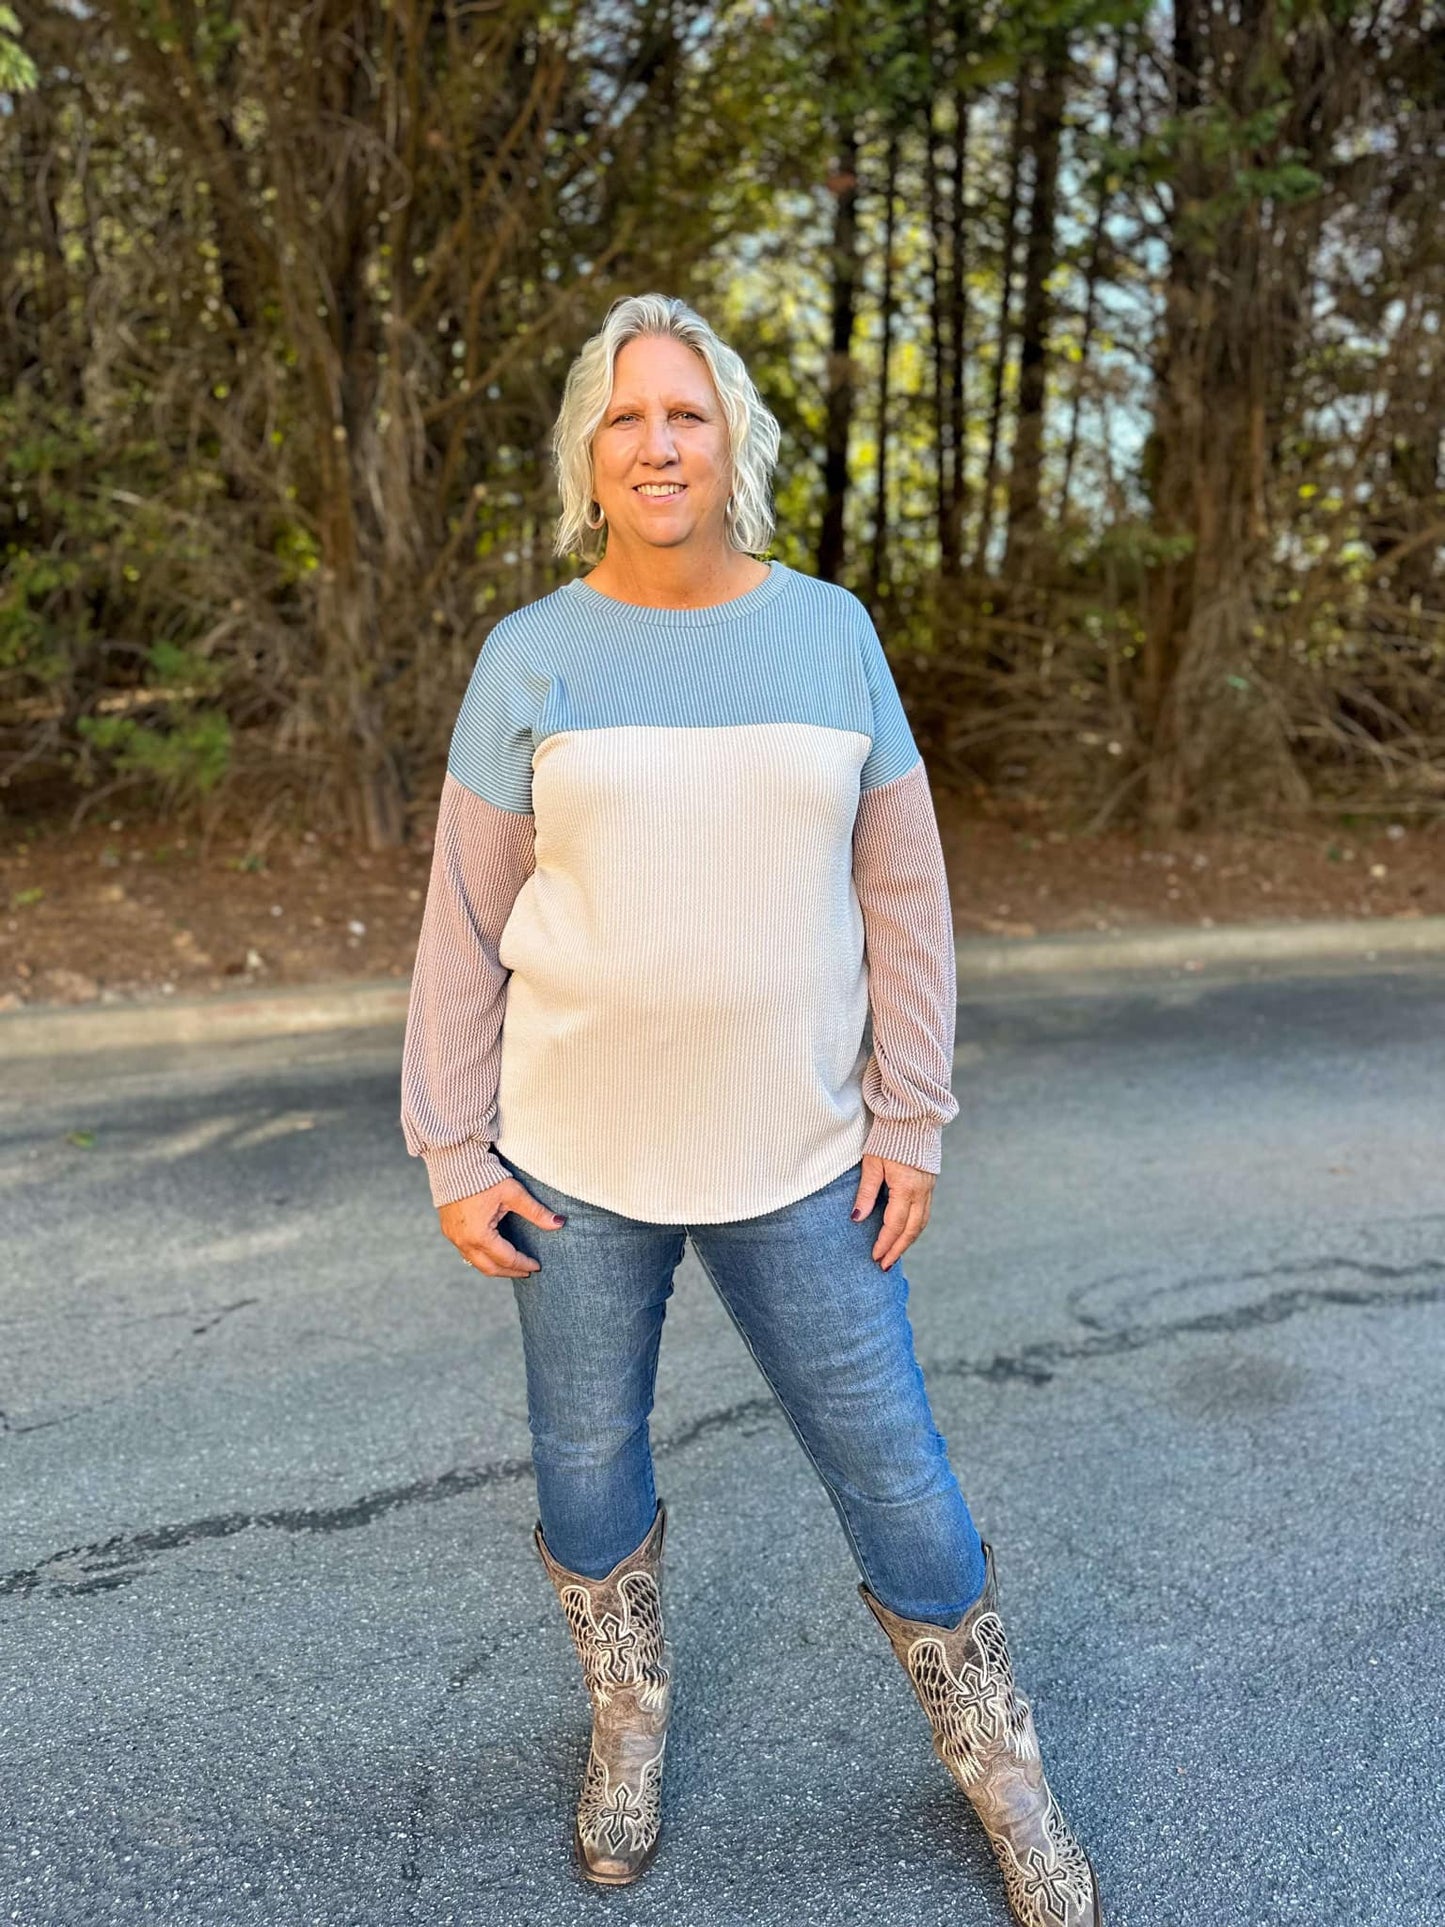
(856, 1216)
(557, 1220)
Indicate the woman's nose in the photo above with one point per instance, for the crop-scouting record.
(657, 440)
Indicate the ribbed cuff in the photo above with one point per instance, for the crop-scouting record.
(909, 1140)
(461, 1170)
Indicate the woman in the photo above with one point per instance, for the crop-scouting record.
(686, 847)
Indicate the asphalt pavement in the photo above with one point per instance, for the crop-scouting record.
(275, 1646)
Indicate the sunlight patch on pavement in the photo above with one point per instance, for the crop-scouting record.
(234, 1250)
(274, 1127)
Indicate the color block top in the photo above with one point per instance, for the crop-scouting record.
(682, 856)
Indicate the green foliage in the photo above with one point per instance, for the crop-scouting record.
(27, 640)
(284, 325)
(1140, 546)
(186, 757)
(179, 743)
(18, 72)
(184, 669)
(297, 550)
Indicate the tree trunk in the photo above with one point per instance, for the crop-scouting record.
(1227, 349)
(937, 333)
(1092, 269)
(1026, 474)
(843, 265)
(879, 590)
(1005, 320)
(956, 502)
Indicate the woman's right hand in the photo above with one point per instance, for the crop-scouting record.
(471, 1224)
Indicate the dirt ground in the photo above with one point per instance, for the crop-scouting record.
(130, 908)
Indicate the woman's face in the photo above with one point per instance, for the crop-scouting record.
(661, 465)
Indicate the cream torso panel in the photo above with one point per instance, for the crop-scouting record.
(687, 970)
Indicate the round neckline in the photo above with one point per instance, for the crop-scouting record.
(699, 618)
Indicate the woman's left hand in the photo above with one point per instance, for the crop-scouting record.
(910, 1199)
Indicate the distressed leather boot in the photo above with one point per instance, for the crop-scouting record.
(616, 1626)
(983, 1731)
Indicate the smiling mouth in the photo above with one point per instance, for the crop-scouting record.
(660, 491)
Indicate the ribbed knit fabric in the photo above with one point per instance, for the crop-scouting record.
(908, 921)
(453, 1049)
(680, 855)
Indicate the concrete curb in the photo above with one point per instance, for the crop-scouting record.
(1168, 945)
(228, 1017)
(48, 1030)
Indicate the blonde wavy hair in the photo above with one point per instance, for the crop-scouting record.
(753, 431)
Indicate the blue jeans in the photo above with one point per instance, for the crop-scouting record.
(827, 1328)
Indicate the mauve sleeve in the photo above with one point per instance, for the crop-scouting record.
(912, 991)
(452, 1054)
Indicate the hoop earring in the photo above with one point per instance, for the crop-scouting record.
(587, 515)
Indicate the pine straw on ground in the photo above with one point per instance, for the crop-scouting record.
(133, 908)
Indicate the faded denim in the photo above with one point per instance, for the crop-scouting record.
(828, 1329)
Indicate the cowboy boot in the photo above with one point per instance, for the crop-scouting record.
(983, 1731)
(616, 1626)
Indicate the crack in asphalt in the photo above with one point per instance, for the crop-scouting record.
(223, 1312)
(207, 1325)
(421, 1775)
(113, 1562)
(1286, 1268)
(108, 1564)
(1036, 1364)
